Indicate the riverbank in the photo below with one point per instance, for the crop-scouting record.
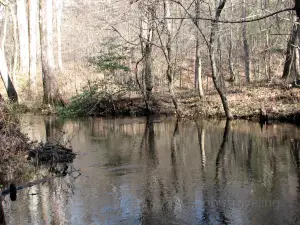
(280, 102)
(14, 146)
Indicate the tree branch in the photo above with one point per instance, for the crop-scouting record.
(228, 21)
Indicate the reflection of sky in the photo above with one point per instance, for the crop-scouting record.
(118, 173)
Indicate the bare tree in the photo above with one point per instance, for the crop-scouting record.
(169, 54)
(212, 54)
(33, 32)
(198, 74)
(51, 94)
(23, 36)
(11, 92)
(147, 31)
(246, 45)
(290, 51)
(230, 49)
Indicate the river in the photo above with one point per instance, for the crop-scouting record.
(163, 171)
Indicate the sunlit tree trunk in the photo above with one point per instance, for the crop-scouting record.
(59, 13)
(212, 54)
(33, 32)
(23, 36)
(169, 48)
(51, 95)
(198, 74)
(246, 45)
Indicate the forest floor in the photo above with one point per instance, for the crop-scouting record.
(281, 103)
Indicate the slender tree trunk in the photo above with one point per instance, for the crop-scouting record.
(23, 36)
(51, 95)
(33, 32)
(10, 89)
(59, 13)
(246, 46)
(169, 48)
(230, 63)
(267, 57)
(11, 92)
(198, 74)
(290, 51)
(297, 58)
(212, 54)
(16, 44)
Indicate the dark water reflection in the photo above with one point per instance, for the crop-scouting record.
(162, 171)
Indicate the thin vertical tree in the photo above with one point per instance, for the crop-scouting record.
(246, 45)
(198, 74)
(212, 54)
(169, 54)
(23, 36)
(33, 32)
(10, 89)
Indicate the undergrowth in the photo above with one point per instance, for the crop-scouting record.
(95, 98)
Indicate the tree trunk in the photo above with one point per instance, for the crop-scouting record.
(212, 54)
(230, 63)
(33, 32)
(51, 95)
(23, 36)
(170, 69)
(198, 74)
(9, 87)
(11, 92)
(147, 33)
(297, 59)
(290, 51)
(246, 46)
(59, 13)
(16, 44)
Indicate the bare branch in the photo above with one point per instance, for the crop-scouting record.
(228, 21)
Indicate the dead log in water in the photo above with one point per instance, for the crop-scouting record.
(52, 152)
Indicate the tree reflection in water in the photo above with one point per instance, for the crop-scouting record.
(163, 171)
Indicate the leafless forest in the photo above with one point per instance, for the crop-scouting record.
(52, 50)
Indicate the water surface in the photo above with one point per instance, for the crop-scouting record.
(163, 171)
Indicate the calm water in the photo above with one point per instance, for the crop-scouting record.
(159, 171)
